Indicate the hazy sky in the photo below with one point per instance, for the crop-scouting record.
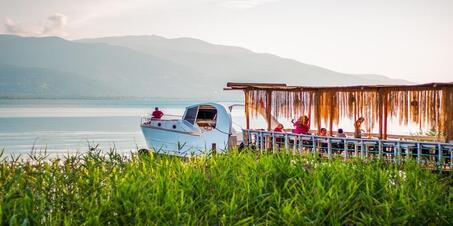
(409, 39)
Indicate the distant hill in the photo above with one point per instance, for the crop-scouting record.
(38, 82)
(148, 66)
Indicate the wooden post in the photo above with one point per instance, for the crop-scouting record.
(329, 148)
(247, 109)
(345, 149)
(273, 142)
(381, 149)
(317, 111)
(419, 152)
(448, 115)
(385, 117)
(380, 115)
(286, 142)
(213, 148)
(331, 113)
(268, 115)
(269, 110)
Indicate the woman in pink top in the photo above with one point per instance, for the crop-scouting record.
(302, 125)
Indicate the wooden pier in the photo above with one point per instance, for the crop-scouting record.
(429, 106)
(434, 154)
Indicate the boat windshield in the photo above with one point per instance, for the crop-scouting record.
(191, 114)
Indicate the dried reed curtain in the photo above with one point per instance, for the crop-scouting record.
(429, 108)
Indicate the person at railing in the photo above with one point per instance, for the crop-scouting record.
(338, 147)
(358, 127)
(279, 128)
(302, 125)
(157, 114)
(322, 132)
(322, 145)
(340, 133)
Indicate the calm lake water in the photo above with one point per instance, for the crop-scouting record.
(68, 126)
(63, 126)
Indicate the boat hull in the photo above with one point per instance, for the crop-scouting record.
(184, 144)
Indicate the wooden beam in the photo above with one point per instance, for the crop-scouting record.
(448, 114)
(317, 110)
(380, 113)
(331, 113)
(384, 136)
(247, 109)
(269, 85)
(284, 87)
(269, 110)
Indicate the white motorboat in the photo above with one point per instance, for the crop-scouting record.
(202, 128)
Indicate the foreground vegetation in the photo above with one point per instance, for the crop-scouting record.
(237, 188)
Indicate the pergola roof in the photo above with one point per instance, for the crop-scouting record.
(428, 105)
(284, 87)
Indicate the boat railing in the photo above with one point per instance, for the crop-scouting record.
(147, 118)
(436, 154)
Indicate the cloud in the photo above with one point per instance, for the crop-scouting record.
(20, 29)
(54, 25)
(11, 26)
(244, 4)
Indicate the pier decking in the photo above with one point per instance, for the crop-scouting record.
(433, 154)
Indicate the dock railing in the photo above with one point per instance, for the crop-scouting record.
(432, 154)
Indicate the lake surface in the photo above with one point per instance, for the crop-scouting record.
(63, 126)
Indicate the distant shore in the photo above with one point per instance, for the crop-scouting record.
(118, 98)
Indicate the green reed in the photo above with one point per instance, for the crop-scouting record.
(238, 188)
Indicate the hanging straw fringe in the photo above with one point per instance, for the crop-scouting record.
(429, 108)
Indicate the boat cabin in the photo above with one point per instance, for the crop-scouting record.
(205, 116)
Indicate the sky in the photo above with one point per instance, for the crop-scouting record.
(405, 39)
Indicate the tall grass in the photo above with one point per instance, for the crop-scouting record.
(232, 189)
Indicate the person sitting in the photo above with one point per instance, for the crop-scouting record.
(322, 145)
(157, 114)
(323, 132)
(357, 126)
(302, 125)
(279, 128)
(338, 147)
(340, 133)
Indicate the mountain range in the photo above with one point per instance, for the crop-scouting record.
(148, 66)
